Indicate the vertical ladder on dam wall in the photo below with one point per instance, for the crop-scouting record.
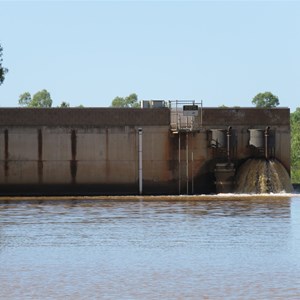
(183, 114)
(185, 119)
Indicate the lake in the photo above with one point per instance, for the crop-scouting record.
(198, 247)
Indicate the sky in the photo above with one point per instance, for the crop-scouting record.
(223, 53)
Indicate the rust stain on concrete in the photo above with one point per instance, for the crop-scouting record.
(6, 154)
(73, 161)
(107, 168)
(40, 156)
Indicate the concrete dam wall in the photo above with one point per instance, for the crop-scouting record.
(84, 151)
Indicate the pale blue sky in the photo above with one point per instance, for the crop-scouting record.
(89, 52)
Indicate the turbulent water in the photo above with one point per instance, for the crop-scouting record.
(258, 176)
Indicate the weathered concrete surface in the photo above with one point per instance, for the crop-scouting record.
(83, 156)
(77, 151)
(83, 117)
(95, 151)
(245, 116)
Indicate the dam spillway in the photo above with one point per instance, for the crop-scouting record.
(260, 176)
(95, 151)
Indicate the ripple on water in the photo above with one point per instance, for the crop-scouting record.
(214, 247)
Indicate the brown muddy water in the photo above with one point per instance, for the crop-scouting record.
(200, 247)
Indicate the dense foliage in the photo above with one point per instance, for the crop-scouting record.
(3, 70)
(295, 146)
(64, 104)
(129, 101)
(266, 99)
(40, 99)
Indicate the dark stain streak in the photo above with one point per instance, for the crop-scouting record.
(73, 144)
(40, 156)
(6, 154)
(40, 144)
(106, 152)
(73, 166)
(73, 162)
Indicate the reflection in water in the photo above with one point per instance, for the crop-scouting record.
(258, 175)
(218, 247)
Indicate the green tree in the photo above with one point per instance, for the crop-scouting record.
(295, 116)
(25, 99)
(41, 99)
(3, 70)
(64, 104)
(129, 101)
(295, 146)
(266, 99)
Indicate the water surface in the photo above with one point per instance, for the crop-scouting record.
(213, 247)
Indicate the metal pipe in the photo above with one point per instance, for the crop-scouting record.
(179, 170)
(187, 163)
(192, 157)
(228, 142)
(140, 131)
(266, 142)
(192, 172)
(201, 114)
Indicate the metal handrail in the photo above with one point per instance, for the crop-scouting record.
(176, 110)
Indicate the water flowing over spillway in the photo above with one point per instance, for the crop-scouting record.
(257, 176)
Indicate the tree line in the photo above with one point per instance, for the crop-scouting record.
(295, 145)
(41, 99)
(3, 70)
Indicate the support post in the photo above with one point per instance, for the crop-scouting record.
(192, 158)
(266, 142)
(201, 116)
(228, 142)
(187, 163)
(179, 169)
(140, 131)
(192, 172)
